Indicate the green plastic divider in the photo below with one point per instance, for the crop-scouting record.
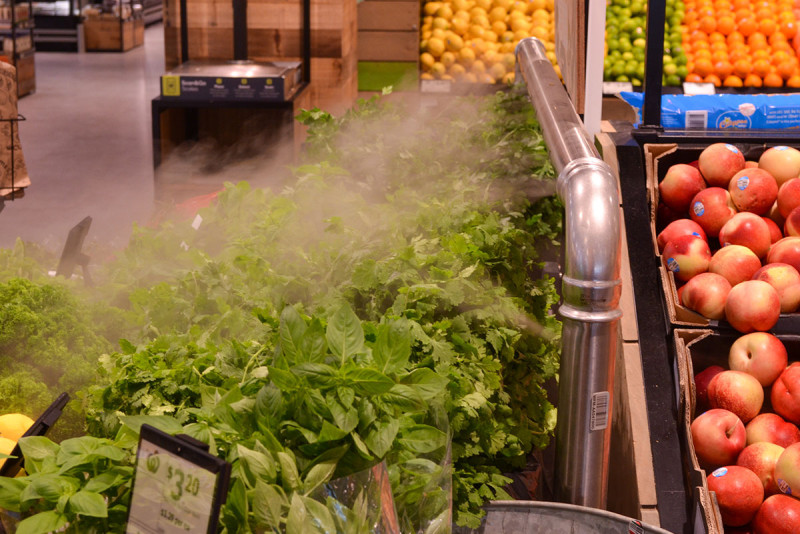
(375, 75)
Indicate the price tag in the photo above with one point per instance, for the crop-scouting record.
(434, 86)
(696, 88)
(615, 88)
(177, 488)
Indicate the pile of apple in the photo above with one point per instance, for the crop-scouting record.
(749, 213)
(751, 453)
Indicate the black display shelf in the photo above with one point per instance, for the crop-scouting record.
(677, 506)
(57, 32)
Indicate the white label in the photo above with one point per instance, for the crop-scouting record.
(434, 86)
(696, 119)
(197, 222)
(698, 88)
(600, 402)
(615, 88)
(170, 494)
(635, 527)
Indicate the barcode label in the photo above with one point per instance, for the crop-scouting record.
(635, 527)
(696, 119)
(600, 402)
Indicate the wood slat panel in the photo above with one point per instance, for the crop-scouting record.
(388, 15)
(388, 46)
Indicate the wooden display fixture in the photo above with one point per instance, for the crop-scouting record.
(16, 29)
(388, 44)
(110, 34)
(274, 30)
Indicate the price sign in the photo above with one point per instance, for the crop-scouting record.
(178, 487)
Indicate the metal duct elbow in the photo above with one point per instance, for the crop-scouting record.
(591, 285)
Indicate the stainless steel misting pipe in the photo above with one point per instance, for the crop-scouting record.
(591, 285)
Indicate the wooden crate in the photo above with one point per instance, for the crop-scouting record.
(388, 32)
(108, 35)
(26, 73)
(275, 32)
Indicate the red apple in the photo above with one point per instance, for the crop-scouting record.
(749, 230)
(736, 263)
(752, 306)
(786, 281)
(687, 256)
(718, 437)
(760, 458)
(706, 294)
(711, 208)
(792, 224)
(737, 392)
(680, 185)
(753, 190)
(775, 233)
(739, 494)
(759, 354)
(782, 162)
(787, 250)
(676, 228)
(719, 162)
(772, 428)
(785, 394)
(789, 196)
(701, 381)
(787, 470)
(779, 514)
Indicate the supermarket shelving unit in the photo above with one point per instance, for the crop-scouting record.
(56, 24)
(17, 31)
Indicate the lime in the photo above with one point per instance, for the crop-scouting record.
(673, 80)
(623, 78)
(670, 69)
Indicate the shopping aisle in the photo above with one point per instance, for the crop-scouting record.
(88, 145)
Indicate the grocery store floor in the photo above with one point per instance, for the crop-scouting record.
(88, 145)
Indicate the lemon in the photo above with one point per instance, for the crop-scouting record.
(466, 56)
(447, 77)
(461, 5)
(6, 446)
(517, 24)
(538, 4)
(551, 4)
(461, 14)
(541, 14)
(490, 37)
(490, 57)
(476, 32)
(441, 23)
(425, 35)
(478, 45)
(497, 71)
(457, 71)
(520, 35)
(478, 67)
(551, 56)
(505, 4)
(486, 5)
(427, 60)
(445, 12)
(14, 425)
(509, 61)
(470, 77)
(499, 27)
(439, 34)
(431, 7)
(454, 43)
(426, 76)
(485, 78)
(508, 47)
(448, 58)
(539, 33)
(520, 5)
(480, 20)
(477, 10)
(517, 15)
(508, 78)
(460, 26)
(507, 37)
(435, 46)
(438, 70)
(497, 14)
(550, 46)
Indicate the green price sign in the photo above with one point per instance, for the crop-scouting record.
(178, 487)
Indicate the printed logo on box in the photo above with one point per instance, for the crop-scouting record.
(733, 119)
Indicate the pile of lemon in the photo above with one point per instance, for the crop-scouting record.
(473, 40)
(12, 427)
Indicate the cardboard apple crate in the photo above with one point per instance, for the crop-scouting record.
(658, 159)
(696, 350)
(106, 34)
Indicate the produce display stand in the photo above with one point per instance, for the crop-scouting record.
(115, 32)
(16, 29)
(57, 31)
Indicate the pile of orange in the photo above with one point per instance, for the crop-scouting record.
(741, 43)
